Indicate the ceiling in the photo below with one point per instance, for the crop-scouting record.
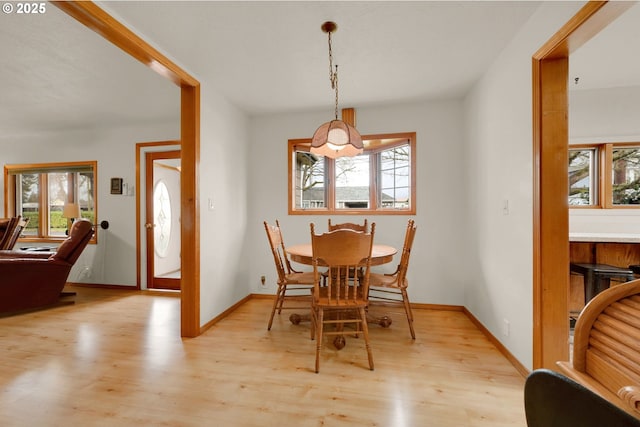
(55, 74)
(265, 57)
(604, 61)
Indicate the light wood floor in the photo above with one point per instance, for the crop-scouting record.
(115, 358)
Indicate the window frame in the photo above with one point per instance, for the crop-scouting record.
(604, 179)
(598, 170)
(10, 194)
(329, 170)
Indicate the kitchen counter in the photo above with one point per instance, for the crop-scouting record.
(604, 237)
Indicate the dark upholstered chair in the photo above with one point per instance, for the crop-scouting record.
(30, 281)
(554, 400)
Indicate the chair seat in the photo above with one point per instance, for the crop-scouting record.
(346, 304)
(384, 281)
(300, 278)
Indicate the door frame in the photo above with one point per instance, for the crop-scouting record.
(142, 148)
(550, 159)
(153, 282)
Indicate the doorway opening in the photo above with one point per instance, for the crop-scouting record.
(158, 217)
(162, 223)
(550, 151)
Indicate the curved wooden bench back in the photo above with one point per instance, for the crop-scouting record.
(606, 346)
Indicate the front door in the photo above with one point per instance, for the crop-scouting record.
(162, 222)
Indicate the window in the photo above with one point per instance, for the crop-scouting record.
(605, 175)
(625, 184)
(583, 177)
(40, 191)
(380, 180)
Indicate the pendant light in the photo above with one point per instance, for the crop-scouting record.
(335, 138)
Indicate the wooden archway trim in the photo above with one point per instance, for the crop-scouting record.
(550, 192)
(96, 19)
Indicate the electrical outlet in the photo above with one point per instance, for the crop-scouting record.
(505, 327)
(263, 281)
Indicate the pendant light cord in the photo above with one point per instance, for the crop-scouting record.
(333, 75)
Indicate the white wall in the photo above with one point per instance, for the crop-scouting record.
(604, 115)
(224, 157)
(436, 274)
(498, 144)
(113, 260)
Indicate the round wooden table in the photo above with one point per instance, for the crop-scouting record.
(380, 254)
(303, 254)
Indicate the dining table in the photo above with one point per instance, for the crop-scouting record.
(303, 254)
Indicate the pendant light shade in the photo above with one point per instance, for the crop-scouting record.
(336, 139)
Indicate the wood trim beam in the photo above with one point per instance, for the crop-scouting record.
(96, 19)
(551, 321)
(190, 211)
(589, 21)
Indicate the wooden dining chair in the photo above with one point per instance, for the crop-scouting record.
(298, 284)
(364, 228)
(340, 301)
(348, 225)
(393, 287)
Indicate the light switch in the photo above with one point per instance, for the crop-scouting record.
(505, 207)
(210, 204)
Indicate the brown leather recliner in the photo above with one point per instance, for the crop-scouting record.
(29, 281)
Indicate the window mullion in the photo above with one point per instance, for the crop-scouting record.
(330, 170)
(72, 187)
(374, 179)
(44, 206)
(607, 171)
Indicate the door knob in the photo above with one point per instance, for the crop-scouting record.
(149, 225)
